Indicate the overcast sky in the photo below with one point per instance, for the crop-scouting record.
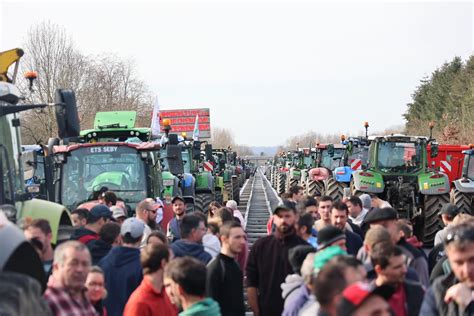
(267, 70)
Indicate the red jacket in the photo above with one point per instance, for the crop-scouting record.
(146, 301)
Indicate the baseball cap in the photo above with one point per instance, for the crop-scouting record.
(329, 235)
(323, 256)
(380, 214)
(285, 205)
(177, 197)
(100, 210)
(356, 294)
(450, 210)
(134, 226)
(117, 212)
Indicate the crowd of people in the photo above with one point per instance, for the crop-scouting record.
(320, 257)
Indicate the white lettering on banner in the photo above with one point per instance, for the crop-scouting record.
(103, 149)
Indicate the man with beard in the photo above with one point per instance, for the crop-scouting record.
(146, 212)
(173, 231)
(268, 264)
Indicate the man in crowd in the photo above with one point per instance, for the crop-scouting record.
(79, 217)
(311, 206)
(185, 284)
(224, 277)
(109, 236)
(173, 229)
(331, 236)
(304, 229)
(356, 212)
(108, 198)
(387, 217)
(271, 254)
(150, 297)
(451, 294)
(40, 230)
(296, 194)
(98, 216)
(122, 269)
(146, 212)
(448, 213)
(389, 265)
(324, 209)
(339, 214)
(118, 213)
(192, 229)
(67, 294)
(361, 299)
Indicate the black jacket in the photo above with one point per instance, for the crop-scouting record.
(267, 269)
(225, 284)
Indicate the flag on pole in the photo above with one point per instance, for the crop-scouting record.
(196, 129)
(155, 120)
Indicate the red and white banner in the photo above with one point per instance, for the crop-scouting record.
(208, 166)
(356, 164)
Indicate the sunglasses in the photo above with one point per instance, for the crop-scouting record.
(153, 211)
(462, 234)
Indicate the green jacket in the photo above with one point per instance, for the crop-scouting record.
(206, 307)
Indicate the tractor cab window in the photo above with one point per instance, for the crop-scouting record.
(331, 162)
(359, 153)
(7, 186)
(186, 160)
(470, 168)
(119, 168)
(399, 157)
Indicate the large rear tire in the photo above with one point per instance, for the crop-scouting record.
(202, 201)
(314, 188)
(218, 197)
(189, 208)
(280, 187)
(432, 222)
(227, 194)
(464, 201)
(334, 189)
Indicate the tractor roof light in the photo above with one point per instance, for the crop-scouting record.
(343, 137)
(184, 134)
(366, 124)
(31, 75)
(471, 146)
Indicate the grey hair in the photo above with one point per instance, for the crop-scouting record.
(60, 251)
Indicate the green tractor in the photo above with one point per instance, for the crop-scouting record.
(114, 154)
(462, 193)
(17, 203)
(226, 169)
(398, 172)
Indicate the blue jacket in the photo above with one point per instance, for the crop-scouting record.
(123, 274)
(183, 248)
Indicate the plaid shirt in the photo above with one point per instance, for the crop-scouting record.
(63, 304)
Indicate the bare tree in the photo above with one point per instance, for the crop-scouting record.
(222, 138)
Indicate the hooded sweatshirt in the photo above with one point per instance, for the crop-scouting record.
(206, 307)
(84, 235)
(123, 274)
(183, 247)
(98, 249)
(291, 284)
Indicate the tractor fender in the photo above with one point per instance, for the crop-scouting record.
(204, 182)
(433, 183)
(464, 186)
(368, 181)
(318, 174)
(55, 214)
(343, 174)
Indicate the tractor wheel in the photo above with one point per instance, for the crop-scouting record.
(235, 190)
(202, 201)
(227, 194)
(314, 188)
(218, 197)
(464, 201)
(431, 221)
(334, 189)
(280, 187)
(189, 208)
(354, 191)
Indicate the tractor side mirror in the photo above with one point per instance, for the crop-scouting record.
(66, 114)
(208, 152)
(434, 150)
(330, 150)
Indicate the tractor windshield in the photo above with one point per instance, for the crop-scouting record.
(470, 167)
(359, 155)
(399, 157)
(119, 168)
(331, 162)
(186, 160)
